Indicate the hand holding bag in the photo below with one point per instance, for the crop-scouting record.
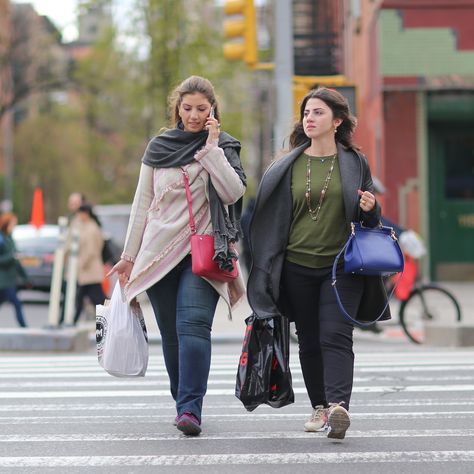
(263, 375)
(122, 342)
(202, 249)
(369, 251)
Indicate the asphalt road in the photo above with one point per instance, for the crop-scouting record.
(412, 412)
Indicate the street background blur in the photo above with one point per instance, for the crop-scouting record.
(84, 89)
(76, 111)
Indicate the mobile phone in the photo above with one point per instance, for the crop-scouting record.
(211, 113)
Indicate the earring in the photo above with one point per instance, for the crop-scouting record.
(335, 129)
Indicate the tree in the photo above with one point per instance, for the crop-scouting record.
(31, 61)
(117, 100)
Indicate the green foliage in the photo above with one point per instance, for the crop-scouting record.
(118, 100)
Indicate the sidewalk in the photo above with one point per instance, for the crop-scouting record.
(224, 330)
(37, 337)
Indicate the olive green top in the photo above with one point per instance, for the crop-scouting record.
(312, 243)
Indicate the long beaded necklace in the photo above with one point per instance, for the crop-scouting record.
(314, 213)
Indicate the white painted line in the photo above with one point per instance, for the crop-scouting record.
(383, 359)
(234, 459)
(427, 353)
(99, 372)
(221, 392)
(243, 416)
(141, 382)
(87, 437)
(117, 406)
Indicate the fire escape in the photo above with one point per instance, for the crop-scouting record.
(317, 30)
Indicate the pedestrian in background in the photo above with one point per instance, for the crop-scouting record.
(156, 257)
(90, 268)
(74, 202)
(11, 270)
(305, 204)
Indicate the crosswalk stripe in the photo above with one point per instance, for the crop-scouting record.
(220, 392)
(466, 402)
(43, 398)
(96, 371)
(244, 416)
(226, 459)
(87, 437)
(109, 382)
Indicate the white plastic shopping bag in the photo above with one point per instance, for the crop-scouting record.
(412, 244)
(122, 342)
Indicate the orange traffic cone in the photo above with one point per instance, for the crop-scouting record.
(37, 210)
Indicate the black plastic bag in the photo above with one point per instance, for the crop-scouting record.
(263, 375)
(281, 390)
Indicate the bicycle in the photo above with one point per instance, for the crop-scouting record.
(427, 303)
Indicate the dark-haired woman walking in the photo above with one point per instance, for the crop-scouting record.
(11, 270)
(305, 205)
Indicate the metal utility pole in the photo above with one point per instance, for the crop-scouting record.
(284, 70)
(7, 125)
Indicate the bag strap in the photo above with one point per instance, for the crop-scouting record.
(190, 203)
(339, 302)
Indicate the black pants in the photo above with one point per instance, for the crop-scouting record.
(94, 292)
(324, 334)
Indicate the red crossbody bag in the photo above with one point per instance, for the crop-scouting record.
(202, 249)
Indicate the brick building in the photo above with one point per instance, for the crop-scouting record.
(427, 67)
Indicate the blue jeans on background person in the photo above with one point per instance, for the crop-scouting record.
(184, 305)
(10, 294)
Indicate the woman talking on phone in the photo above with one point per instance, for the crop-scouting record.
(156, 256)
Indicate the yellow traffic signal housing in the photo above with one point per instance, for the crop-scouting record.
(303, 84)
(243, 26)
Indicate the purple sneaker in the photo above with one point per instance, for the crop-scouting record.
(189, 424)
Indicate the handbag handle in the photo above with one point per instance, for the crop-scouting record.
(338, 298)
(190, 204)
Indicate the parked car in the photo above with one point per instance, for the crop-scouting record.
(36, 252)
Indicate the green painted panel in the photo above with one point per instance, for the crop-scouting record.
(452, 107)
(419, 51)
(451, 194)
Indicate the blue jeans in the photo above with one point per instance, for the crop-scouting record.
(10, 294)
(184, 306)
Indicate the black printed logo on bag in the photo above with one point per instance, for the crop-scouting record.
(100, 332)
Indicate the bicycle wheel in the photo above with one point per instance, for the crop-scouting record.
(427, 303)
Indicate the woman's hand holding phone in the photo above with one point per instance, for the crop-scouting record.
(213, 127)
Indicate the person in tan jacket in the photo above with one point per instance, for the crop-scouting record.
(90, 271)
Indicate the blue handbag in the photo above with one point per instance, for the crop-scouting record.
(372, 251)
(369, 251)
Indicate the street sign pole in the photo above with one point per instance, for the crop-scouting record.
(284, 70)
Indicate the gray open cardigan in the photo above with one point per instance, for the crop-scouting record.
(270, 228)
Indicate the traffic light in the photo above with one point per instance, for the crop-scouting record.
(243, 26)
(303, 84)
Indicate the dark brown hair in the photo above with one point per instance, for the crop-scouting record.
(340, 109)
(192, 85)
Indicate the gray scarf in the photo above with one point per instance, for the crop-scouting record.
(175, 148)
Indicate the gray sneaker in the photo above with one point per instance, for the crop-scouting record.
(338, 421)
(318, 420)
